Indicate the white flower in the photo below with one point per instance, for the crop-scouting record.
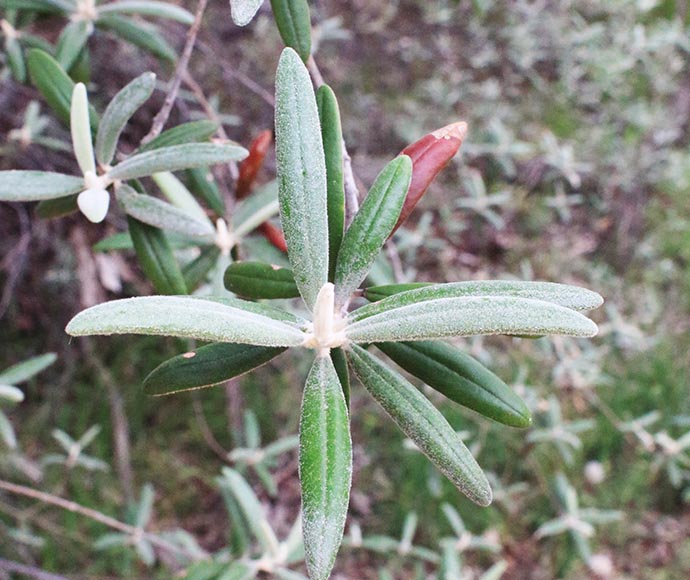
(595, 472)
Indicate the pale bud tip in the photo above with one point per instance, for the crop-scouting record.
(453, 131)
(94, 203)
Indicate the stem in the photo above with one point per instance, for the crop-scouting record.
(161, 118)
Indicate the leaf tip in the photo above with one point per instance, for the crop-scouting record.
(457, 130)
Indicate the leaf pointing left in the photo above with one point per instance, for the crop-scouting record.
(20, 185)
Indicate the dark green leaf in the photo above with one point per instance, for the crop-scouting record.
(422, 423)
(325, 467)
(193, 132)
(206, 366)
(140, 34)
(72, 41)
(59, 207)
(332, 136)
(371, 227)
(196, 271)
(258, 280)
(201, 184)
(156, 258)
(294, 24)
(376, 293)
(461, 378)
(340, 364)
(148, 8)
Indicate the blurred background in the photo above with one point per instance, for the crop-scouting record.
(576, 169)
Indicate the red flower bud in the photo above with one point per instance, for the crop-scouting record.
(249, 168)
(429, 156)
(273, 235)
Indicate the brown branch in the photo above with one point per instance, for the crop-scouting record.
(161, 118)
(95, 515)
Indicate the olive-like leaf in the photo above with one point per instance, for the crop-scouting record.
(376, 293)
(257, 280)
(422, 423)
(71, 42)
(180, 196)
(185, 317)
(140, 34)
(148, 8)
(39, 5)
(25, 370)
(470, 316)
(196, 271)
(81, 130)
(176, 157)
(294, 24)
(243, 11)
(332, 136)
(301, 176)
(572, 297)
(15, 59)
(20, 185)
(10, 394)
(192, 132)
(157, 213)
(202, 185)
(54, 84)
(156, 258)
(461, 378)
(371, 227)
(58, 207)
(254, 210)
(340, 363)
(325, 467)
(118, 112)
(206, 366)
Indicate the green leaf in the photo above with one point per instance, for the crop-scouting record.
(325, 467)
(10, 394)
(38, 5)
(157, 213)
(181, 197)
(238, 571)
(243, 11)
(72, 41)
(371, 227)
(185, 317)
(255, 210)
(571, 297)
(376, 293)
(257, 280)
(118, 241)
(332, 136)
(27, 369)
(422, 423)
(15, 59)
(461, 378)
(58, 207)
(7, 432)
(81, 130)
(206, 366)
(156, 258)
(54, 84)
(196, 271)
(470, 316)
(301, 176)
(176, 157)
(294, 24)
(140, 34)
(340, 364)
(147, 8)
(19, 185)
(119, 111)
(201, 184)
(192, 132)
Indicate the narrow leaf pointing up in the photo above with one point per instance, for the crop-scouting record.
(301, 176)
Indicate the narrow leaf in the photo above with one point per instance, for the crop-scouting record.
(156, 258)
(140, 34)
(81, 130)
(181, 197)
(148, 8)
(325, 467)
(249, 168)
(340, 364)
(25, 370)
(58, 207)
(256, 209)
(157, 213)
(422, 423)
(567, 296)
(294, 24)
(72, 41)
(301, 176)
(201, 184)
(257, 280)
(119, 111)
(19, 185)
(371, 227)
(10, 394)
(196, 271)
(470, 316)
(461, 378)
(332, 136)
(15, 59)
(185, 317)
(206, 366)
(243, 11)
(176, 157)
(54, 84)
(376, 293)
(192, 132)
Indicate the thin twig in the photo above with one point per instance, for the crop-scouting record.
(95, 515)
(396, 262)
(349, 180)
(161, 118)
(30, 571)
(206, 432)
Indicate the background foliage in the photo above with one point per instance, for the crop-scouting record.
(576, 169)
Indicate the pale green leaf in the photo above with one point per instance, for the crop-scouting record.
(71, 42)
(11, 394)
(80, 128)
(243, 11)
(19, 185)
(301, 176)
(178, 194)
(256, 209)
(23, 371)
(148, 8)
(185, 317)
